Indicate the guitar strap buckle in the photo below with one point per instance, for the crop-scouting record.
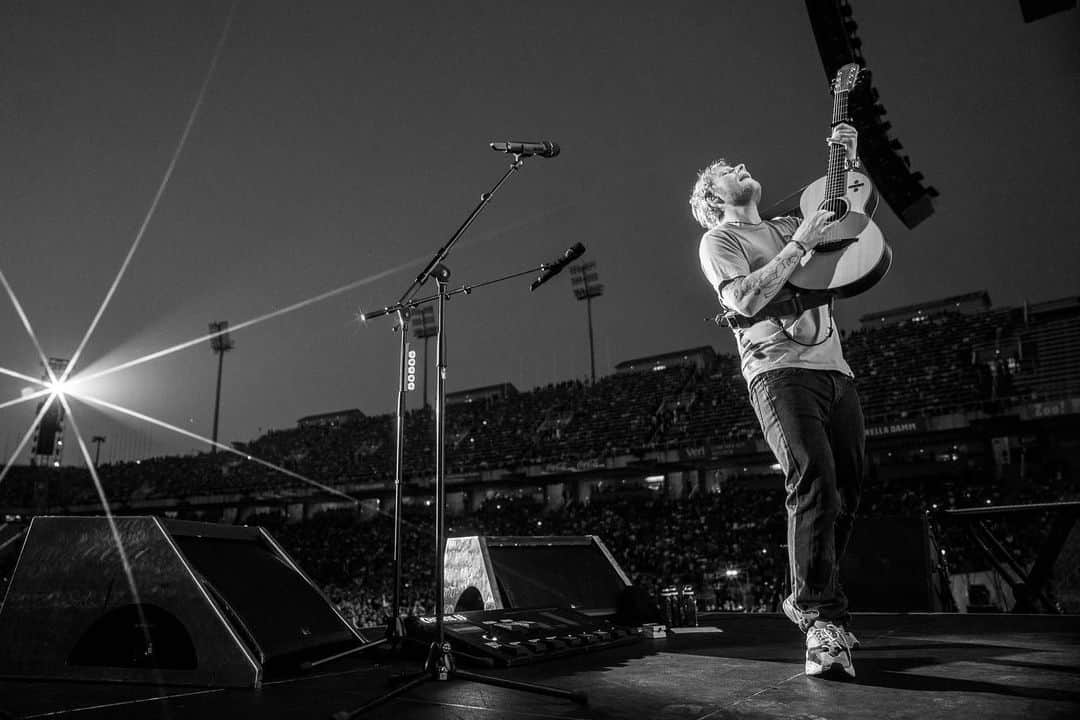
(812, 300)
(794, 305)
(730, 320)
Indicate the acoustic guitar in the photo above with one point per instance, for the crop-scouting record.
(854, 256)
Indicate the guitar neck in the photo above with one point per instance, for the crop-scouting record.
(853, 255)
(836, 174)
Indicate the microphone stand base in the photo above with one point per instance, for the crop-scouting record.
(440, 666)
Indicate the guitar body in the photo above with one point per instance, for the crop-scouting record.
(854, 256)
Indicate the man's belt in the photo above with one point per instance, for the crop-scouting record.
(797, 304)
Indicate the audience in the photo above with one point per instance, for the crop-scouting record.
(728, 542)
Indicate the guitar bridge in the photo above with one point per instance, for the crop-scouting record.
(834, 245)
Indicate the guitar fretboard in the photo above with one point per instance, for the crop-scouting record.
(836, 176)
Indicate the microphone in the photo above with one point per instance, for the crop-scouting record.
(543, 148)
(549, 271)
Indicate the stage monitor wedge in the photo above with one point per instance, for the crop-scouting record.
(212, 605)
(503, 572)
(1032, 10)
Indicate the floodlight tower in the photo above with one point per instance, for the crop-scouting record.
(586, 282)
(220, 342)
(48, 445)
(426, 328)
(97, 440)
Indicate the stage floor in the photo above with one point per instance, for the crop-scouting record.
(909, 666)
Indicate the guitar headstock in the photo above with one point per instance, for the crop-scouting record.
(846, 78)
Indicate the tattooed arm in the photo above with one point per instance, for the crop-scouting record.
(748, 294)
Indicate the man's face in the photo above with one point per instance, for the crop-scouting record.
(734, 185)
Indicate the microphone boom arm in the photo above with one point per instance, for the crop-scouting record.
(464, 289)
(485, 198)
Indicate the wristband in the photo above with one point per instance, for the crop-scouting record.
(799, 244)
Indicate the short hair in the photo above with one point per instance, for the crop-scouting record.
(703, 211)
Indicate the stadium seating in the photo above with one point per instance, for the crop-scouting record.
(927, 367)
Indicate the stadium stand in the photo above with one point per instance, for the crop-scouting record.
(965, 405)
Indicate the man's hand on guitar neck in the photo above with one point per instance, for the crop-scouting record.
(847, 137)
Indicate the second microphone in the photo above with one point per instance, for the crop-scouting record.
(551, 270)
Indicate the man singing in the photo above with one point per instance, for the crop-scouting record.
(800, 388)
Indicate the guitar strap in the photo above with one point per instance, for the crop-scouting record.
(797, 304)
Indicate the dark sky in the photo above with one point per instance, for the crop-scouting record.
(337, 141)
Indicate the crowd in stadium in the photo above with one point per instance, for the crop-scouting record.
(658, 540)
(930, 366)
(946, 363)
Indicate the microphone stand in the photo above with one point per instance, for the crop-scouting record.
(440, 664)
(395, 628)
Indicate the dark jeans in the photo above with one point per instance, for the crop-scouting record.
(813, 423)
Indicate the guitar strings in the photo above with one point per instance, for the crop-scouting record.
(836, 178)
(836, 175)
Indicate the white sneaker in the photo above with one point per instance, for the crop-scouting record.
(795, 616)
(827, 647)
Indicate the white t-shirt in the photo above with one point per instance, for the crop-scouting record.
(731, 251)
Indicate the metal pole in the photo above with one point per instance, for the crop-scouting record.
(440, 459)
(217, 400)
(592, 356)
(426, 338)
(395, 628)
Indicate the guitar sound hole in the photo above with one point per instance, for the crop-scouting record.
(837, 206)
